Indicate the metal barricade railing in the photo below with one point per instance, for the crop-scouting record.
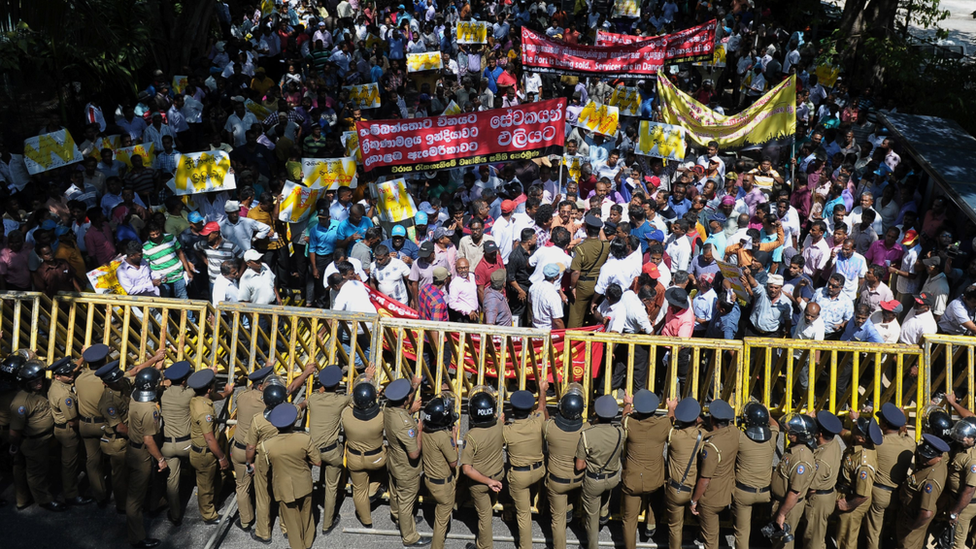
(950, 366)
(22, 316)
(712, 368)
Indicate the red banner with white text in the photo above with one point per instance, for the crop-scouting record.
(545, 55)
(445, 142)
(685, 45)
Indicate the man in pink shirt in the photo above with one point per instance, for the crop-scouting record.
(678, 322)
(14, 273)
(99, 239)
(887, 251)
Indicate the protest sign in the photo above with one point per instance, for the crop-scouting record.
(329, 173)
(179, 83)
(19, 177)
(50, 150)
(364, 96)
(626, 8)
(451, 109)
(428, 61)
(394, 201)
(732, 274)
(258, 110)
(111, 142)
(350, 141)
(602, 119)
(690, 44)
(104, 280)
(827, 75)
(472, 32)
(660, 140)
(147, 151)
(627, 100)
(202, 172)
(298, 203)
(574, 166)
(621, 61)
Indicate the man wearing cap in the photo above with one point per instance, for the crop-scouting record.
(526, 461)
(188, 240)
(290, 453)
(174, 407)
(242, 231)
(588, 258)
(491, 261)
(758, 443)
(400, 246)
(679, 322)
(820, 496)
(643, 467)
(250, 403)
(598, 454)
(325, 406)
(885, 320)
(31, 427)
(961, 479)
(959, 316)
(64, 408)
(716, 472)
(936, 285)
(858, 470)
(772, 312)
(215, 250)
(89, 389)
(894, 464)
(403, 435)
(257, 282)
(205, 453)
(685, 441)
(390, 275)
(432, 301)
(493, 303)
(445, 254)
(919, 494)
(919, 321)
(793, 475)
(505, 231)
(422, 271)
(547, 304)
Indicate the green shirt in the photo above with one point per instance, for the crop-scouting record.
(163, 260)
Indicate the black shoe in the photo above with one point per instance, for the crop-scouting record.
(378, 495)
(360, 519)
(649, 532)
(79, 500)
(470, 545)
(330, 529)
(212, 521)
(55, 507)
(146, 543)
(102, 504)
(416, 520)
(260, 540)
(25, 506)
(604, 521)
(176, 522)
(238, 524)
(422, 542)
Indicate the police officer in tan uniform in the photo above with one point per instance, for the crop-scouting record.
(249, 404)
(440, 457)
(684, 444)
(482, 461)
(961, 479)
(858, 471)
(716, 472)
(643, 473)
(795, 472)
(206, 456)
(598, 454)
(919, 495)
(588, 257)
(290, 453)
(325, 406)
(562, 433)
(526, 461)
(259, 465)
(8, 390)
(64, 408)
(114, 407)
(753, 468)
(143, 454)
(821, 498)
(174, 406)
(31, 432)
(89, 390)
(362, 425)
(894, 463)
(403, 436)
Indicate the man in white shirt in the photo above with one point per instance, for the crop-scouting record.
(257, 284)
(352, 296)
(241, 230)
(389, 275)
(810, 327)
(547, 304)
(225, 287)
(555, 254)
(919, 321)
(937, 285)
(816, 253)
(624, 312)
(507, 229)
(678, 247)
(238, 123)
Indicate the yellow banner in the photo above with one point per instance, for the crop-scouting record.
(451, 109)
(472, 32)
(146, 150)
(574, 166)
(827, 75)
(428, 61)
(267, 7)
(599, 118)
(394, 201)
(298, 203)
(112, 142)
(627, 99)
(364, 96)
(660, 140)
(626, 8)
(771, 118)
(350, 140)
(329, 173)
(202, 173)
(373, 39)
(50, 150)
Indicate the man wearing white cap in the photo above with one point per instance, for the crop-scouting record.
(257, 284)
(241, 230)
(547, 304)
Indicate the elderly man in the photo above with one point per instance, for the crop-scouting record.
(241, 230)
(257, 283)
(462, 293)
(544, 296)
(494, 303)
(811, 328)
(771, 312)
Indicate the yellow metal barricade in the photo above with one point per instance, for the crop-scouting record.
(950, 362)
(21, 316)
(713, 365)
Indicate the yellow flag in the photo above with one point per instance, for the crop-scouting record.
(364, 96)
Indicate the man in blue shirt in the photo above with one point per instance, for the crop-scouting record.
(725, 319)
(491, 74)
(678, 203)
(400, 247)
(321, 246)
(860, 328)
(353, 228)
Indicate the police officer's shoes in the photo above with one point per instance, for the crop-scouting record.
(422, 542)
(330, 529)
(417, 519)
(212, 521)
(260, 539)
(79, 500)
(146, 543)
(240, 525)
(55, 507)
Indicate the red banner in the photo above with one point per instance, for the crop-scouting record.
(446, 142)
(554, 56)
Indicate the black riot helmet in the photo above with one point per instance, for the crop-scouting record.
(13, 363)
(274, 395)
(364, 403)
(32, 370)
(802, 426)
(439, 414)
(571, 405)
(938, 423)
(146, 384)
(755, 422)
(481, 409)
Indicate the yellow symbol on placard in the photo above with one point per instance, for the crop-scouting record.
(46, 145)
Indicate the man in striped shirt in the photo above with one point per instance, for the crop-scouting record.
(167, 262)
(215, 250)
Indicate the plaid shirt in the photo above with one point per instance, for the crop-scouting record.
(433, 304)
(294, 116)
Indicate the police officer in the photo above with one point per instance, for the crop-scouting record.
(249, 404)
(89, 390)
(289, 454)
(859, 469)
(175, 408)
(440, 457)
(403, 436)
(919, 495)
(935, 420)
(31, 430)
(961, 480)
(716, 473)
(64, 408)
(643, 472)
(362, 425)
(481, 459)
(820, 498)
(526, 462)
(598, 454)
(206, 456)
(894, 462)
(325, 406)
(795, 472)
(562, 434)
(142, 453)
(588, 257)
(753, 468)
(114, 407)
(8, 390)
(685, 441)
(259, 465)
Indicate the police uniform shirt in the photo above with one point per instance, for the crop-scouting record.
(894, 459)
(175, 408)
(362, 436)
(795, 472)
(827, 463)
(64, 404)
(644, 461)
(249, 405)
(600, 447)
(289, 454)
(201, 420)
(483, 450)
(89, 389)
(325, 417)
(961, 471)
(261, 431)
(401, 434)
(922, 489)
(588, 257)
(439, 452)
(681, 452)
(718, 464)
(523, 437)
(114, 406)
(754, 460)
(30, 413)
(143, 420)
(562, 449)
(859, 469)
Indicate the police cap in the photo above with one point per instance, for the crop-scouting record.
(110, 373)
(330, 376)
(178, 370)
(606, 407)
(95, 353)
(62, 367)
(829, 422)
(687, 410)
(892, 415)
(720, 410)
(258, 375)
(645, 402)
(201, 379)
(523, 400)
(283, 415)
(398, 389)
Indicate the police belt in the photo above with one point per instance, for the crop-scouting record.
(782, 499)
(239, 445)
(845, 489)
(372, 452)
(61, 425)
(678, 486)
(587, 278)
(137, 445)
(823, 492)
(200, 450)
(174, 440)
(441, 480)
(524, 468)
(562, 480)
(329, 448)
(600, 476)
(750, 489)
(39, 435)
(91, 419)
(883, 487)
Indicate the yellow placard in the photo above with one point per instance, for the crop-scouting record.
(394, 201)
(267, 7)
(627, 99)
(257, 109)
(329, 173)
(626, 8)
(179, 83)
(202, 172)
(451, 109)
(50, 150)
(350, 140)
(599, 118)
(298, 203)
(112, 142)
(104, 280)
(364, 96)
(428, 61)
(574, 166)
(472, 32)
(660, 140)
(827, 75)
(372, 39)
(146, 150)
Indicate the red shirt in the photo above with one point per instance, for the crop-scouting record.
(482, 273)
